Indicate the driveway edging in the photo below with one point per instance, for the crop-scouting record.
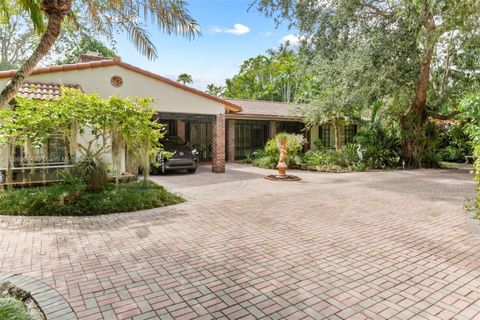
(52, 303)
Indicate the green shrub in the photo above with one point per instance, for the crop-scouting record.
(90, 169)
(332, 161)
(454, 143)
(380, 146)
(477, 177)
(13, 309)
(452, 154)
(75, 199)
(269, 156)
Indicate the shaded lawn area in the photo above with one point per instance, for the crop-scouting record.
(74, 200)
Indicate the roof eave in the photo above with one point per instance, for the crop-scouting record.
(117, 61)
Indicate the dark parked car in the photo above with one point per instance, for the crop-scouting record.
(177, 155)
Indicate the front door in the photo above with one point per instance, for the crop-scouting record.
(200, 136)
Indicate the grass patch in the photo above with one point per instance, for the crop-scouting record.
(75, 200)
(13, 309)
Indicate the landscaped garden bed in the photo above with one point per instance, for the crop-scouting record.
(75, 200)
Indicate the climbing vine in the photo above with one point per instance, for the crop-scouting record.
(89, 124)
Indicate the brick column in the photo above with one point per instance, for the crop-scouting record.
(272, 129)
(218, 144)
(231, 140)
(181, 129)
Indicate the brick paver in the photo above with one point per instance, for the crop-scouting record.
(378, 245)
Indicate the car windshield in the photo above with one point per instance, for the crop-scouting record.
(173, 140)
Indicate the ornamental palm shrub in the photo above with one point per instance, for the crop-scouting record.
(380, 146)
(93, 170)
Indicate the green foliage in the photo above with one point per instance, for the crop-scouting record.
(333, 161)
(98, 120)
(93, 171)
(214, 90)
(367, 52)
(454, 143)
(470, 107)
(170, 16)
(271, 153)
(272, 77)
(380, 147)
(184, 78)
(73, 199)
(86, 44)
(13, 309)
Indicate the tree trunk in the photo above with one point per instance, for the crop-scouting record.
(412, 122)
(10, 162)
(46, 42)
(336, 129)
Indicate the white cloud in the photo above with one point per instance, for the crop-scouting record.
(292, 39)
(216, 29)
(238, 29)
(266, 34)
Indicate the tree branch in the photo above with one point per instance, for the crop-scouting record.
(438, 116)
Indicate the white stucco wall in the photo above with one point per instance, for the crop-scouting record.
(167, 98)
(313, 137)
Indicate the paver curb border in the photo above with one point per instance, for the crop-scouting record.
(52, 303)
(473, 224)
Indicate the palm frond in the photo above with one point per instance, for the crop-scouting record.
(171, 16)
(34, 9)
(141, 40)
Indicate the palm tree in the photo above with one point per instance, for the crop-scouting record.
(106, 17)
(215, 90)
(184, 78)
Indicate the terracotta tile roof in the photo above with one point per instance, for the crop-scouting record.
(230, 106)
(257, 108)
(43, 91)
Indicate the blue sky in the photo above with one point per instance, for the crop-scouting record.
(230, 34)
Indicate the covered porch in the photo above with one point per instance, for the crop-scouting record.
(204, 132)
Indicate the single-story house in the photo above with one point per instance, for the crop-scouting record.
(221, 129)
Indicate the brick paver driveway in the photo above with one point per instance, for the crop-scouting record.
(379, 245)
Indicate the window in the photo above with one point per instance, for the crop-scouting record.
(290, 127)
(249, 136)
(325, 135)
(350, 132)
(55, 154)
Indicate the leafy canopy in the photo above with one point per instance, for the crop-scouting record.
(365, 51)
(273, 77)
(97, 119)
(108, 17)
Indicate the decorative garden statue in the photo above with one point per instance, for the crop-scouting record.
(282, 166)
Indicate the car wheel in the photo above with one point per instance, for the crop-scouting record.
(191, 170)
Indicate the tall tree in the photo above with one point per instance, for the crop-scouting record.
(215, 90)
(86, 44)
(106, 17)
(272, 76)
(407, 50)
(17, 40)
(184, 78)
